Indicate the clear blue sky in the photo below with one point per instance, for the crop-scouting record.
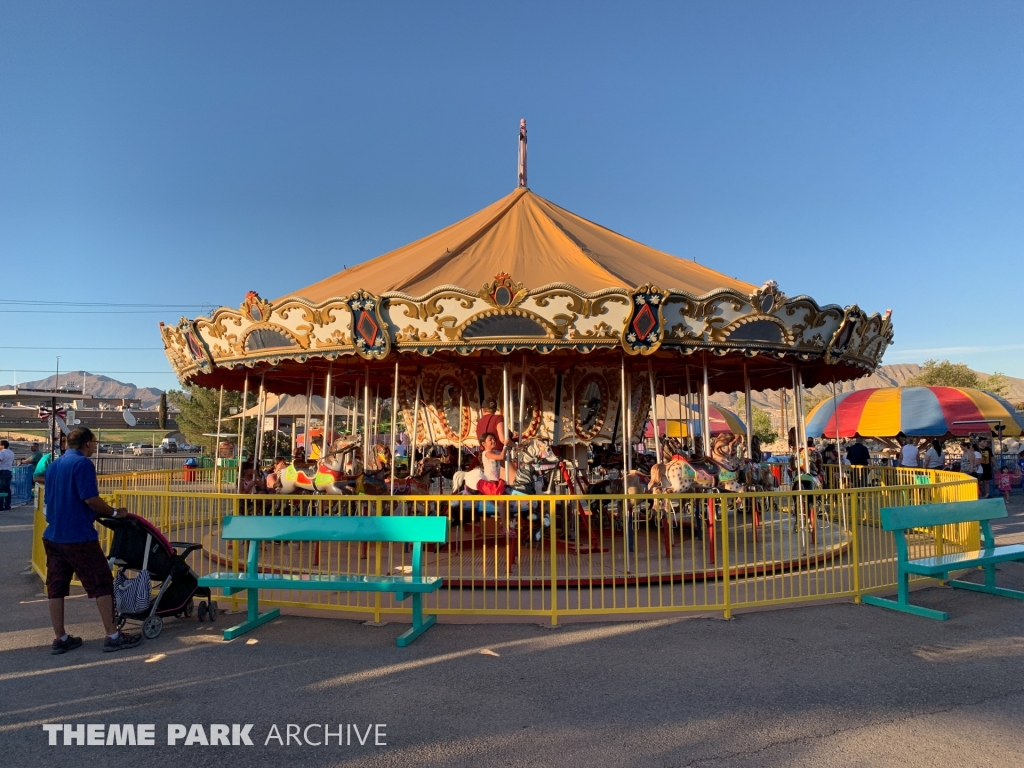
(184, 153)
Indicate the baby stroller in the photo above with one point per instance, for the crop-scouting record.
(139, 545)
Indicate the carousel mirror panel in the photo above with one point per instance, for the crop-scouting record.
(452, 403)
(591, 403)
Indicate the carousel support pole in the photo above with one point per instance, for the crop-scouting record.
(241, 434)
(458, 461)
(260, 406)
(839, 454)
(506, 412)
(800, 464)
(376, 419)
(749, 410)
(355, 408)
(277, 431)
(654, 410)
(801, 427)
(415, 425)
(705, 426)
(572, 413)
(366, 416)
(394, 428)
(522, 402)
(783, 413)
(216, 444)
(305, 425)
(628, 416)
(692, 439)
(624, 405)
(327, 412)
(220, 412)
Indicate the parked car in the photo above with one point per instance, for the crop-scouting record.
(142, 449)
(169, 445)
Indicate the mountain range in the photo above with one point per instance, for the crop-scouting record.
(95, 386)
(885, 376)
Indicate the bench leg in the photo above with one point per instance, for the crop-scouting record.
(419, 623)
(989, 587)
(902, 602)
(254, 619)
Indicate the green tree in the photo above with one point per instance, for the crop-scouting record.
(162, 411)
(763, 429)
(996, 384)
(943, 373)
(198, 417)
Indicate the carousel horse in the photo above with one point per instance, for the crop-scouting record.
(327, 476)
(723, 453)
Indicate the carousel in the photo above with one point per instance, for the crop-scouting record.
(576, 332)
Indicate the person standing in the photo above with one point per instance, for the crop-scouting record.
(985, 476)
(858, 453)
(72, 544)
(909, 455)
(491, 422)
(933, 457)
(6, 474)
(35, 456)
(39, 473)
(1004, 480)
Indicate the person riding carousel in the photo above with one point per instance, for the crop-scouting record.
(491, 458)
(491, 422)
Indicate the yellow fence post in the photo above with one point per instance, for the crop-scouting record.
(727, 602)
(552, 512)
(234, 555)
(854, 512)
(377, 571)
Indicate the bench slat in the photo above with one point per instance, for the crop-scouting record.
(926, 566)
(928, 515)
(388, 529)
(340, 582)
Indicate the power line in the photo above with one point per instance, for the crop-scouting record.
(56, 311)
(29, 302)
(89, 373)
(76, 349)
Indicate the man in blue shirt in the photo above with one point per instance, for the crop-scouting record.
(72, 544)
(858, 453)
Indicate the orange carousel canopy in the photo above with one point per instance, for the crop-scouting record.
(524, 277)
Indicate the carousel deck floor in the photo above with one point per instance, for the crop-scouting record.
(479, 556)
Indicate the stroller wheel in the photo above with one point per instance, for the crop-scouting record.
(190, 607)
(202, 610)
(213, 610)
(152, 627)
(119, 621)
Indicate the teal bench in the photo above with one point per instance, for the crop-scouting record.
(405, 530)
(901, 519)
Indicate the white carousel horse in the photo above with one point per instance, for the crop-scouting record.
(521, 480)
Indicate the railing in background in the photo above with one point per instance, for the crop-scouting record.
(556, 556)
(107, 464)
(21, 484)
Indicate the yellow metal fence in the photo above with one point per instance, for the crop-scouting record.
(570, 556)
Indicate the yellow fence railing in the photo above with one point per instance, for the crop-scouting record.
(556, 556)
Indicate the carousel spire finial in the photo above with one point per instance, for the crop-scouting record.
(522, 153)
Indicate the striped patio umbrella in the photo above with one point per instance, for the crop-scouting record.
(723, 422)
(915, 412)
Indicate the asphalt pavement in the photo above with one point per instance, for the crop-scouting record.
(819, 685)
